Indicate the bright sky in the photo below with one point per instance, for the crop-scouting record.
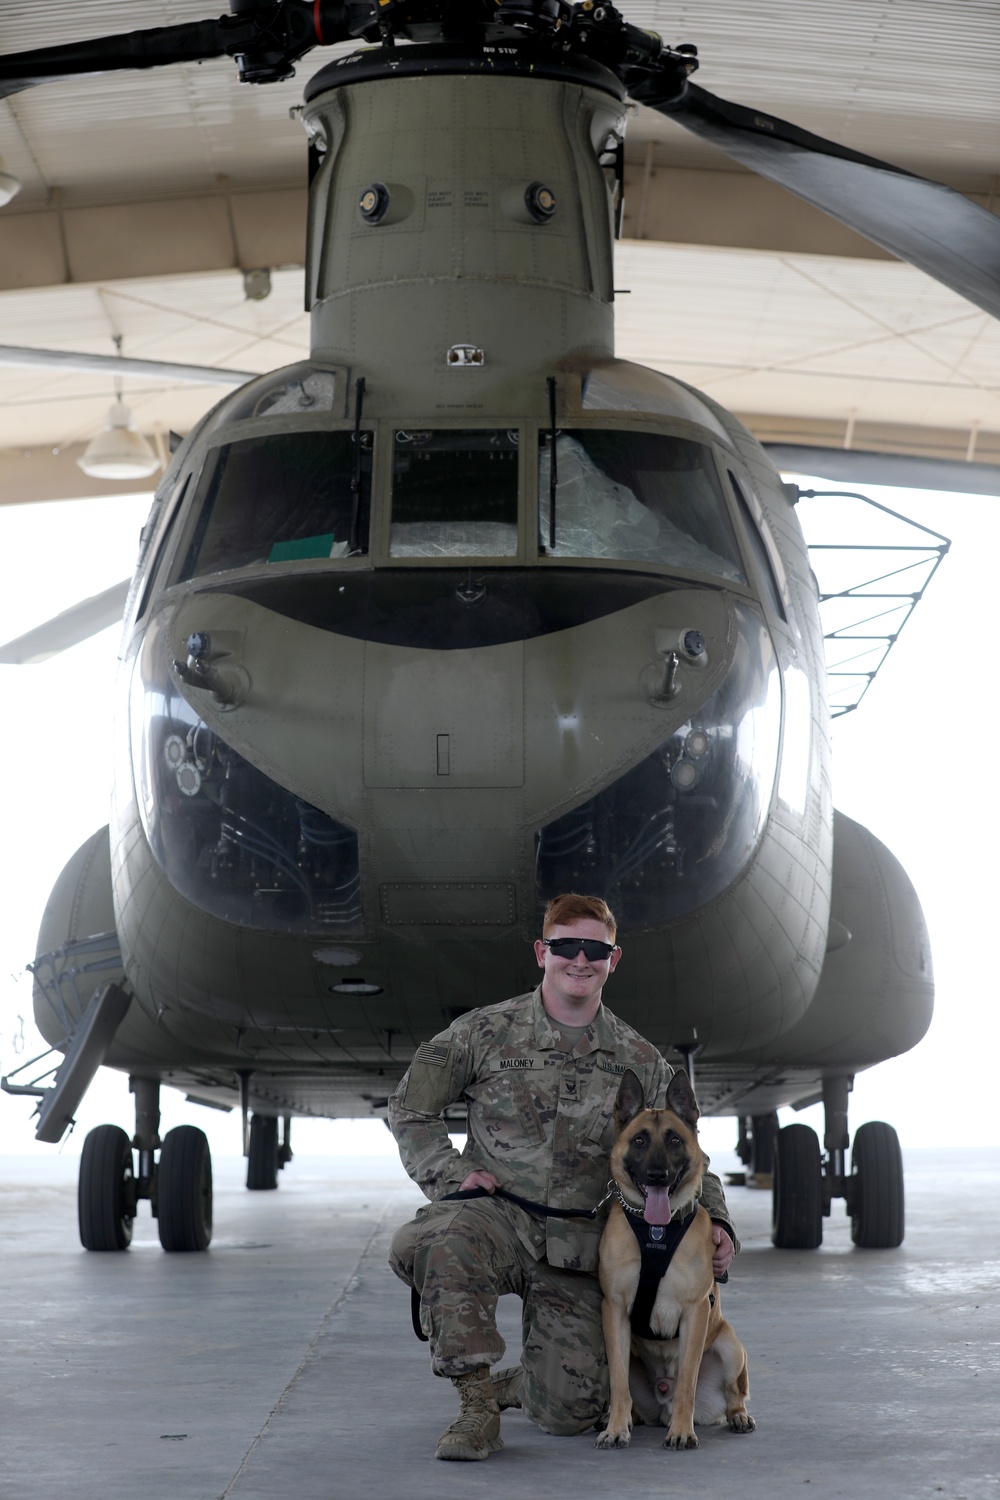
(906, 765)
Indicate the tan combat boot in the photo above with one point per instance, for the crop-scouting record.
(507, 1387)
(475, 1433)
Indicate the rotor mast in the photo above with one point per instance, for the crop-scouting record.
(460, 229)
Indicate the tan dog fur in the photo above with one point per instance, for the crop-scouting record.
(698, 1370)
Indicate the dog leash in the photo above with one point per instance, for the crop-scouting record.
(532, 1208)
(614, 1191)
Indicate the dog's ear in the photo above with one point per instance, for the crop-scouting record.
(631, 1100)
(680, 1098)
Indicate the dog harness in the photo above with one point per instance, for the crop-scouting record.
(657, 1247)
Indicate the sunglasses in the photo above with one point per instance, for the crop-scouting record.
(593, 949)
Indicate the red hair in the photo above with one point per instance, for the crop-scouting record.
(563, 910)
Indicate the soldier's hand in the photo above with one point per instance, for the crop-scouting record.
(724, 1250)
(480, 1180)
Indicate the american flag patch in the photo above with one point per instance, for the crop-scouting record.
(435, 1053)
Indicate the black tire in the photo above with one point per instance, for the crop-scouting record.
(797, 1190)
(184, 1190)
(764, 1133)
(106, 1191)
(876, 1189)
(262, 1163)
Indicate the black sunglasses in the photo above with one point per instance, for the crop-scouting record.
(593, 948)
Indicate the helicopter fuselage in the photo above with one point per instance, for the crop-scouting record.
(383, 702)
(457, 614)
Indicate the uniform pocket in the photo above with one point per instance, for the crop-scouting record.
(509, 1116)
(601, 1128)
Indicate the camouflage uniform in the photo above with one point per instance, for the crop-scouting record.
(542, 1121)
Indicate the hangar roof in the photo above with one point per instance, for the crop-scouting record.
(146, 196)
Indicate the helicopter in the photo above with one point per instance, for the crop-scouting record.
(463, 611)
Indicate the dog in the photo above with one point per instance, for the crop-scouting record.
(694, 1368)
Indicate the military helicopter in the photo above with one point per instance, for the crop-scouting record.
(463, 611)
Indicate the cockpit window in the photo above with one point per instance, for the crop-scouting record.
(766, 554)
(282, 497)
(454, 494)
(152, 568)
(635, 497)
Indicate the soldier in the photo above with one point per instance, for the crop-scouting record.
(539, 1075)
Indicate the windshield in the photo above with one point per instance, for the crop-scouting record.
(635, 497)
(454, 494)
(281, 497)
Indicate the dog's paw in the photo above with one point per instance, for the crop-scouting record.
(610, 1439)
(680, 1440)
(742, 1421)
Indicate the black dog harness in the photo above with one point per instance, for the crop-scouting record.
(657, 1247)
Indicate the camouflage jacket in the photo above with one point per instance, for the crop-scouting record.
(540, 1119)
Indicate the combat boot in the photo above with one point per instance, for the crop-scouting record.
(507, 1387)
(475, 1433)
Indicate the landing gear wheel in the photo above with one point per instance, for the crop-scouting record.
(797, 1190)
(876, 1188)
(262, 1163)
(106, 1193)
(184, 1190)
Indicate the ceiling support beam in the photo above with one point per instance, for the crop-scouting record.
(939, 458)
(948, 443)
(855, 467)
(60, 246)
(693, 206)
(28, 476)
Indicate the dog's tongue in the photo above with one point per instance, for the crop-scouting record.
(657, 1207)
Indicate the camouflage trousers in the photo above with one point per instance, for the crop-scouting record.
(461, 1258)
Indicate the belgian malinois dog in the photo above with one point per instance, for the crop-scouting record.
(687, 1364)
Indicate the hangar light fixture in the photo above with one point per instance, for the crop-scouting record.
(118, 451)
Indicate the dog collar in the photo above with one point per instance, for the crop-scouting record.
(615, 1192)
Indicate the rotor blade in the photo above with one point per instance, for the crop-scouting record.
(114, 364)
(925, 223)
(68, 629)
(160, 45)
(266, 39)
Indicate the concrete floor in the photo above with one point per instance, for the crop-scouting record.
(281, 1365)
